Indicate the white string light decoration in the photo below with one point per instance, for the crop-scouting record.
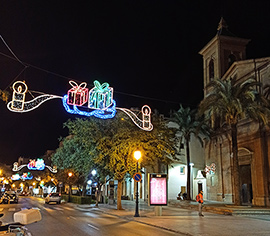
(18, 168)
(18, 103)
(145, 123)
(18, 96)
(100, 102)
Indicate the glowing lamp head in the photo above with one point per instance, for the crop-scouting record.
(137, 155)
(94, 172)
(70, 174)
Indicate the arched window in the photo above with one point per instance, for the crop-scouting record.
(211, 69)
(231, 59)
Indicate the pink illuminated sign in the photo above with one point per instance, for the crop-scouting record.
(158, 189)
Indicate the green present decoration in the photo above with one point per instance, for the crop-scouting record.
(101, 96)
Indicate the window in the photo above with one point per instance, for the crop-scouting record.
(211, 69)
(231, 59)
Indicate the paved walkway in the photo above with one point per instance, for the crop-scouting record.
(183, 219)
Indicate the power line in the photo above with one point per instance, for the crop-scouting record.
(68, 78)
(11, 50)
(139, 96)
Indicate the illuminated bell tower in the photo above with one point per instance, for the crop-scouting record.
(221, 52)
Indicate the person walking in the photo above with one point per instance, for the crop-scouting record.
(199, 199)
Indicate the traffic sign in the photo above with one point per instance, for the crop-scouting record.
(137, 177)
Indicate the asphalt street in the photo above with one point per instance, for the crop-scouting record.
(65, 219)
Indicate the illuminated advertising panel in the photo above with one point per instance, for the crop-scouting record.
(158, 191)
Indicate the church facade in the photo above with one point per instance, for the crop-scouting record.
(225, 57)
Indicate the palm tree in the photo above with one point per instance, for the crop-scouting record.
(189, 123)
(230, 101)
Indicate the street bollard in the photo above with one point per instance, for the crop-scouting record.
(158, 210)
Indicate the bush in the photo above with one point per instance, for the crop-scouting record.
(79, 199)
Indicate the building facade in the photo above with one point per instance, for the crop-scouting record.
(225, 57)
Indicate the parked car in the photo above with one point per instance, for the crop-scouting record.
(23, 193)
(10, 197)
(53, 197)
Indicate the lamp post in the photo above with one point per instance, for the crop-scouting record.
(137, 156)
(69, 190)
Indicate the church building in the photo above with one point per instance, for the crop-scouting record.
(225, 57)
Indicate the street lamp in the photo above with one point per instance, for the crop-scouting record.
(69, 190)
(70, 174)
(137, 156)
(94, 172)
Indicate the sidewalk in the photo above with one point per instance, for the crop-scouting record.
(183, 219)
(223, 208)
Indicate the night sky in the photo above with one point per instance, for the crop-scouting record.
(146, 50)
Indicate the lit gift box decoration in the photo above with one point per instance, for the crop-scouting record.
(101, 96)
(100, 105)
(78, 94)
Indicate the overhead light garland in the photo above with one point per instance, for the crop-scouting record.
(100, 102)
(34, 165)
(18, 103)
(145, 123)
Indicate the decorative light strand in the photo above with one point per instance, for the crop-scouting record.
(16, 167)
(78, 94)
(101, 96)
(100, 99)
(18, 103)
(102, 114)
(52, 169)
(36, 164)
(210, 169)
(145, 123)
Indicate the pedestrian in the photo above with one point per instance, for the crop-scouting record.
(199, 199)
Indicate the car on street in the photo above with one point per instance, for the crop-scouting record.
(24, 193)
(53, 197)
(10, 197)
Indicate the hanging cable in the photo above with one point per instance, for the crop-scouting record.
(11, 51)
(68, 78)
(16, 77)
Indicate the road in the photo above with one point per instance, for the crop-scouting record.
(67, 220)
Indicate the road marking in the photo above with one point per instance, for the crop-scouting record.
(36, 208)
(58, 208)
(68, 208)
(72, 217)
(48, 209)
(11, 209)
(92, 226)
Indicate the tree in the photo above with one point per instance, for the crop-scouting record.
(73, 155)
(189, 123)
(116, 149)
(231, 101)
(4, 95)
(109, 145)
